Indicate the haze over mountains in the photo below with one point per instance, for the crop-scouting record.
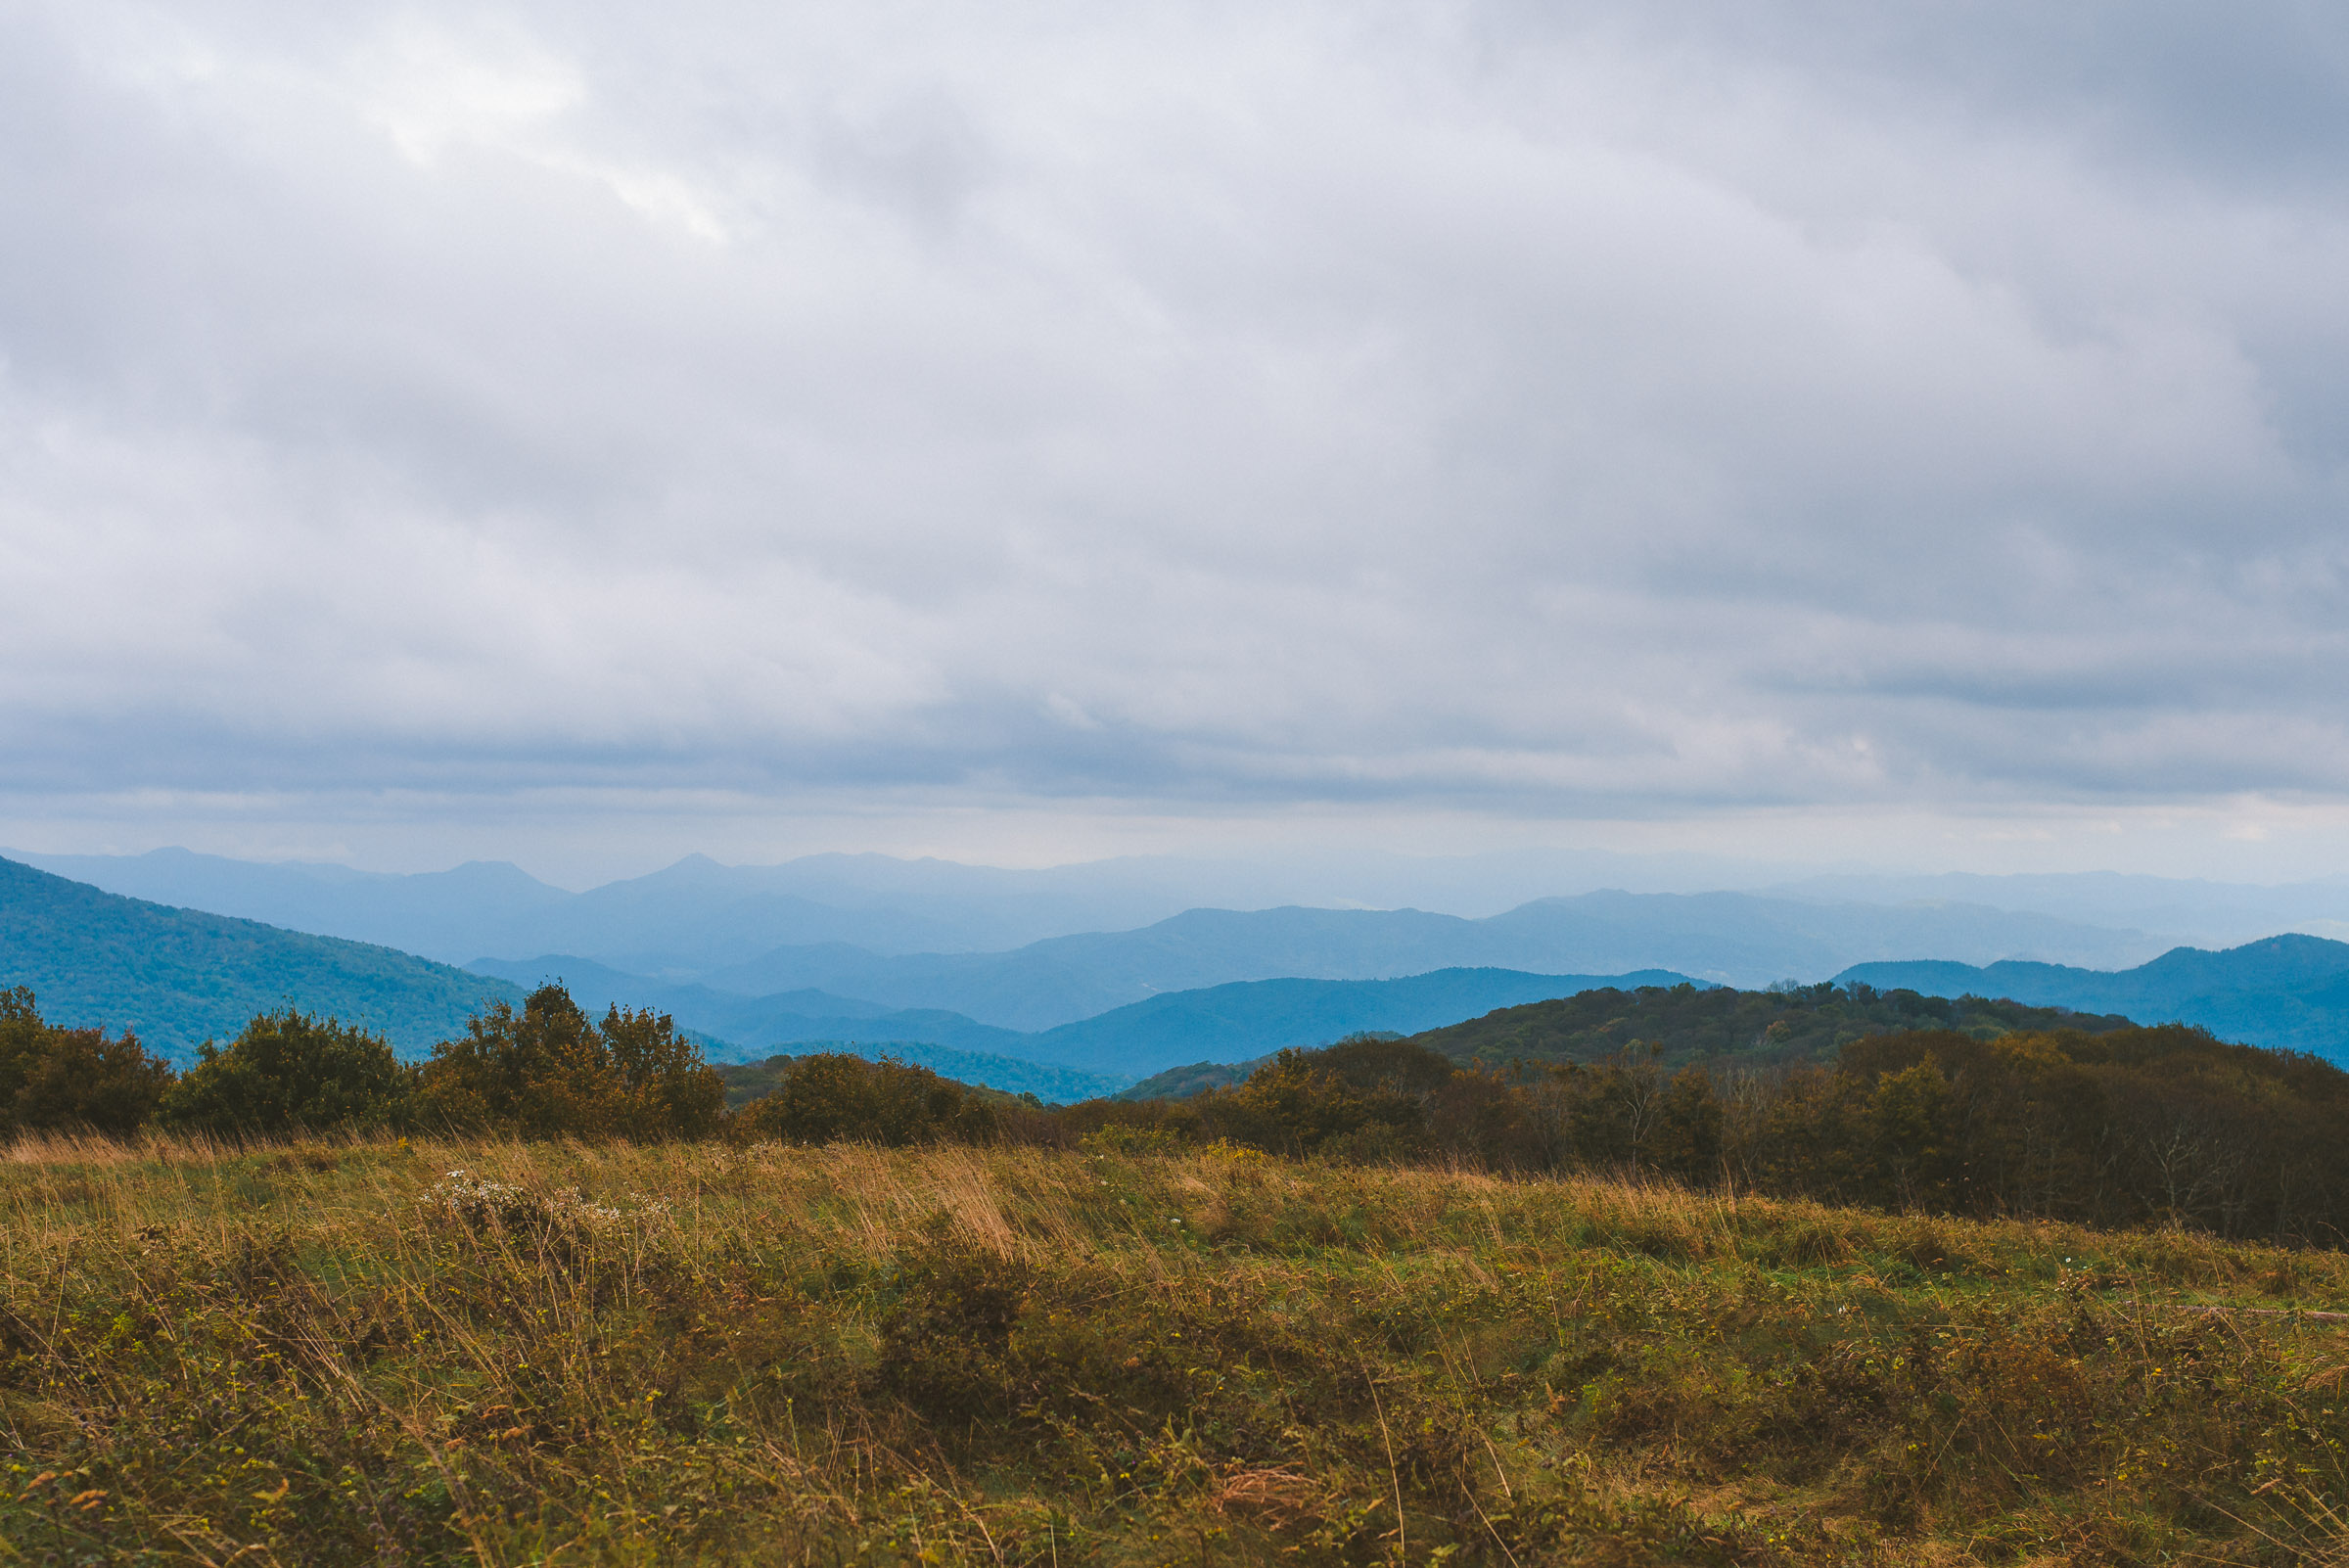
(697, 918)
(1727, 938)
(1238, 1021)
(869, 951)
(2290, 990)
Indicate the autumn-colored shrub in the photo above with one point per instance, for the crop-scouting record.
(830, 1095)
(550, 1071)
(55, 1079)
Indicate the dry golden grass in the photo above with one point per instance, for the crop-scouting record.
(335, 1353)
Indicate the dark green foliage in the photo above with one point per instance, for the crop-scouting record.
(833, 1096)
(178, 977)
(1723, 1026)
(550, 1071)
(2163, 1125)
(72, 1079)
(747, 1081)
(2126, 1127)
(945, 1344)
(289, 1073)
(1364, 1095)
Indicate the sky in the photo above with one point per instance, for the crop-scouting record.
(584, 434)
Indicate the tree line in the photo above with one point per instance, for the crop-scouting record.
(2114, 1126)
(2164, 1126)
(548, 1070)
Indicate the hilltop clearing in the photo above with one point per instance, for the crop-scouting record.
(696, 1354)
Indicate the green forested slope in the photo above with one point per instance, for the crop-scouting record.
(177, 977)
(1687, 1025)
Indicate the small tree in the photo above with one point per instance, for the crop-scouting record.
(71, 1079)
(549, 1070)
(289, 1072)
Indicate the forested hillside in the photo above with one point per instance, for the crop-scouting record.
(1683, 1024)
(176, 977)
(1676, 1026)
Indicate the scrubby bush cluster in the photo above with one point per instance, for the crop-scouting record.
(550, 1071)
(291, 1073)
(52, 1077)
(830, 1096)
(546, 1071)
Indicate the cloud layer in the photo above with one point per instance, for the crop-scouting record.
(1540, 410)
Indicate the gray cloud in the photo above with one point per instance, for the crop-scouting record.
(1533, 410)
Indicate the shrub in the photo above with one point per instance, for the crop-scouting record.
(78, 1078)
(832, 1095)
(290, 1071)
(1366, 1095)
(550, 1071)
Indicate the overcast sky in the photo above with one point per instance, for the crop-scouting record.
(582, 432)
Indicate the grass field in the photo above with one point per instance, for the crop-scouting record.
(699, 1354)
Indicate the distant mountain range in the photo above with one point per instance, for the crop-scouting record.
(1201, 985)
(697, 918)
(176, 977)
(2290, 991)
(1727, 938)
(1234, 1021)
(1056, 1085)
(2188, 912)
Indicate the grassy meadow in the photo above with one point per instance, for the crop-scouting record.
(704, 1353)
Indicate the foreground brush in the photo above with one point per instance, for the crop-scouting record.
(505, 1354)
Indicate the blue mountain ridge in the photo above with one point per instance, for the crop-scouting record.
(1031, 949)
(1729, 939)
(2289, 991)
(1230, 1023)
(177, 977)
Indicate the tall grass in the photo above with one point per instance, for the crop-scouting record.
(343, 1353)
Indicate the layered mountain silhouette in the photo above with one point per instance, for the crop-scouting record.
(1205, 984)
(737, 927)
(1725, 938)
(2290, 991)
(1234, 1021)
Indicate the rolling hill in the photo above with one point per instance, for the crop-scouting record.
(176, 977)
(2290, 991)
(1248, 1019)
